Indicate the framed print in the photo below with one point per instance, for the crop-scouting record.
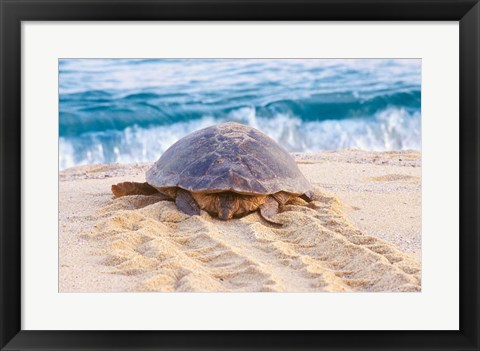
(239, 175)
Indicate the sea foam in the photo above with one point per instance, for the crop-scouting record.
(390, 129)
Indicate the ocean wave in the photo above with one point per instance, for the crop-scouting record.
(130, 110)
(99, 110)
(391, 128)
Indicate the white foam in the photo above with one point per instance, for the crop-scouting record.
(391, 129)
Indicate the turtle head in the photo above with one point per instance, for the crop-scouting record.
(227, 204)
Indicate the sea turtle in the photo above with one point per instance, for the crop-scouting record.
(228, 170)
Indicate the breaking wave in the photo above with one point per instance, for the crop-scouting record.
(389, 129)
(132, 110)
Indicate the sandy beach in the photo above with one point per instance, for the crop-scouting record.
(361, 233)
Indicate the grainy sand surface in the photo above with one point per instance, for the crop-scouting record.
(363, 233)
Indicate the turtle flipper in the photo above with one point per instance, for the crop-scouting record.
(133, 188)
(269, 209)
(186, 203)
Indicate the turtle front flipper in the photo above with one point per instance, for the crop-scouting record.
(269, 209)
(133, 188)
(186, 203)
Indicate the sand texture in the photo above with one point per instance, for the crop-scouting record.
(362, 232)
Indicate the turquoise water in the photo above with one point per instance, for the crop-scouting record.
(132, 110)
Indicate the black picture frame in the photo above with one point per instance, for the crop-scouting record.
(13, 12)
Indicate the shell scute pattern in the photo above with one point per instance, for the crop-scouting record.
(228, 157)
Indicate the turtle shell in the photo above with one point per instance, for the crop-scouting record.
(228, 157)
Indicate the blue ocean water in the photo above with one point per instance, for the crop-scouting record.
(132, 110)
